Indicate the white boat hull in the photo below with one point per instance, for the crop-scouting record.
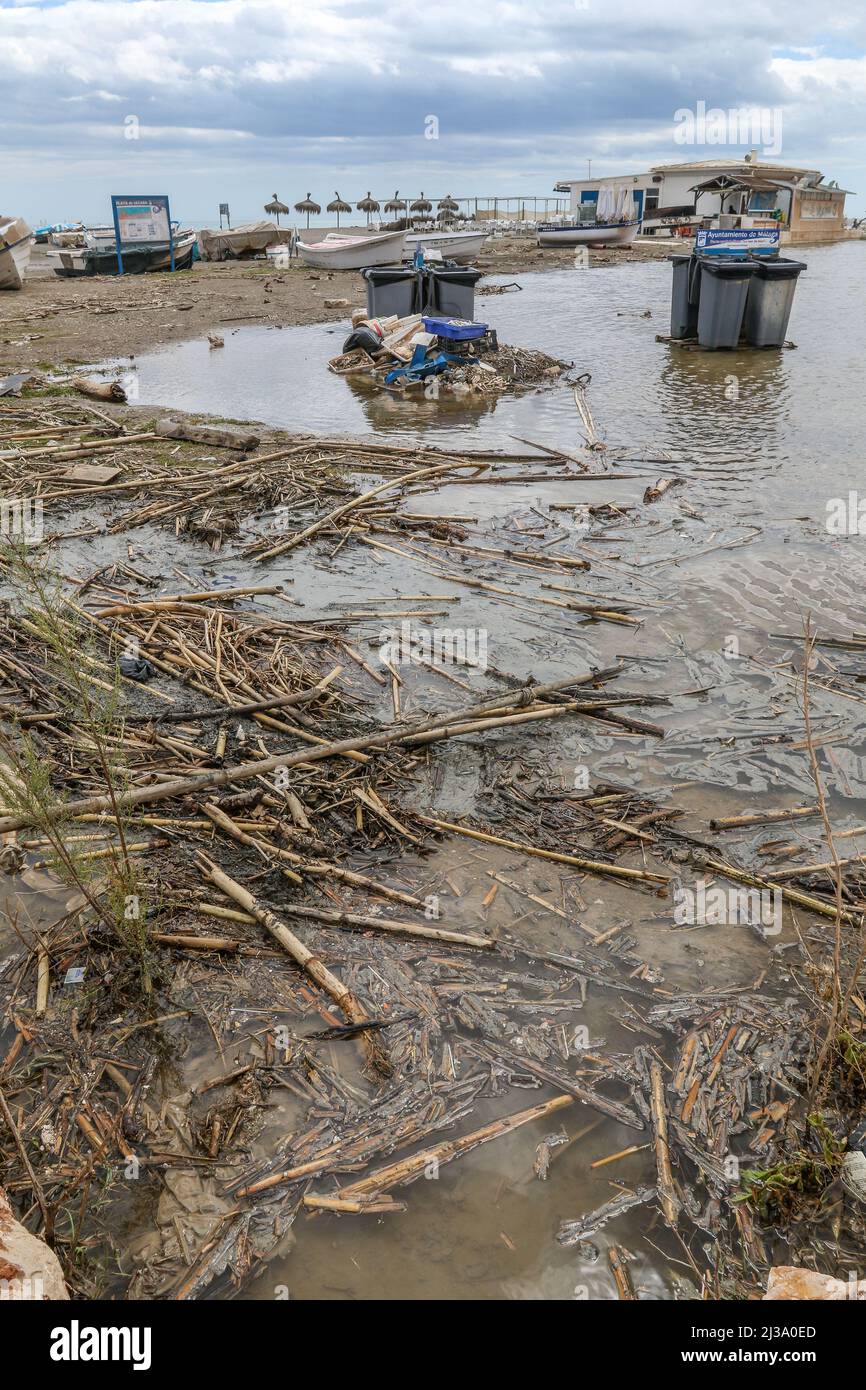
(589, 234)
(456, 246)
(353, 253)
(16, 240)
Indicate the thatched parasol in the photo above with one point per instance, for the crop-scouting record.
(338, 206)
(367, 205)
(421, 204)
(448, 204)
(307, 205)
(396, 204)
(276, 207)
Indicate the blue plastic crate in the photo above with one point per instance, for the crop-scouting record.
(457, 330)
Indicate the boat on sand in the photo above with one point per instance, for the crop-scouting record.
(587, 233)
(71, 261)
(454, 246)
(240, 243)
(16, 240)
(353, 252)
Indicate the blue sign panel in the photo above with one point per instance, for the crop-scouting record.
(141, 220)
(737, 239)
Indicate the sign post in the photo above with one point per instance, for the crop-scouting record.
(141, 221)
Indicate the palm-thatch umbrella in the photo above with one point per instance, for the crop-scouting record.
(421, 204)
(275, 208)
(307, 205)
(448, 204)
(396, 204)
(338, 206)
(367, 205)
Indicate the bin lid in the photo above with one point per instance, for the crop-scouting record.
(728, 267)
(386, 273)
(780, 269)
(455, 273)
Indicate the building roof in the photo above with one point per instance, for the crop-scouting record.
(786, 173)
(727, 182)
(739, 166)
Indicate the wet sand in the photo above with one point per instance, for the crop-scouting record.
(58, 321)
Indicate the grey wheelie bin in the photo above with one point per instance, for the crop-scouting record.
(451, 291)
(724, 287)
(771, 294)
(685, 293)
(391, 291)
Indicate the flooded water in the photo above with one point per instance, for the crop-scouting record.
(722, 573)
(762, 441)
(745, 418)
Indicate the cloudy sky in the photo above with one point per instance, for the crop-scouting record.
(231, 100)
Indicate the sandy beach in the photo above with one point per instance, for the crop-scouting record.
(87, 319)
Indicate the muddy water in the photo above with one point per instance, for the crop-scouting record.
(736, 553)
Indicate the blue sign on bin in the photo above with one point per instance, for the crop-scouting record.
(727, 239)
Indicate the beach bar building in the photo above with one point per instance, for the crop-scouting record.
(742, 192)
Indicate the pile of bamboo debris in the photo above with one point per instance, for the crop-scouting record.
(220, 758)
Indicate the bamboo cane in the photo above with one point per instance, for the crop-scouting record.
(667, 1192)
(593, 866)
(300, 954)
(222, 777)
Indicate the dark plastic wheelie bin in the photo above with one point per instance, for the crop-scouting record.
(391, 291)
(771, 295)
(685, 293)
(724, 288)
(451, 291)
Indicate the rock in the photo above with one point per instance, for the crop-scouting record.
(12, 859)
(854, 1174)
(793, 1282)
(857, 1138)
(28, 1269)
(336, 303)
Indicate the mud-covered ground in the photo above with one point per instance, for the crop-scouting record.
(57, 320)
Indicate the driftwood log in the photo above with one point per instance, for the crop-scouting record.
(207, 434)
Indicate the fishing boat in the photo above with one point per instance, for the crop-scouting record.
(456, 246)
(353, 252)
(587, 233)
(16, 239)
(42, 235)
(138, 259)
(240, 243)
(609, 220)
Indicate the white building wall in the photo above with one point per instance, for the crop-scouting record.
(635, 181)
